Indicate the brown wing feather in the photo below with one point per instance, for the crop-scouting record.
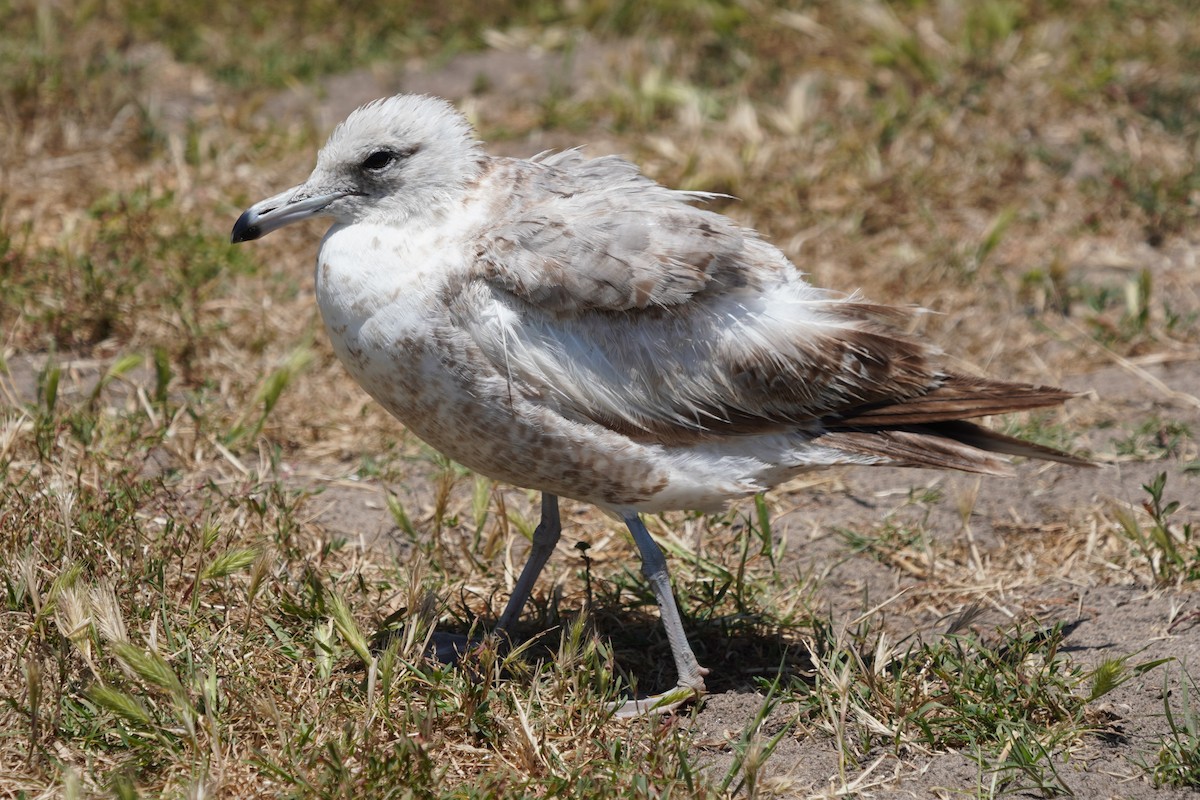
(905, 448)
(590, 264)
(956, 397)
(983, 438)
(952, 444)
(931, 431)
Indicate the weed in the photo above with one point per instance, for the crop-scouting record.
(1177, 762)
(1154, 438)
(1042, 428)
(890, 540)
(1171, 549)
(269, 392)
(1014, 705)
(753, 748)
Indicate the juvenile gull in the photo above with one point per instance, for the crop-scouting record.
(568, 325)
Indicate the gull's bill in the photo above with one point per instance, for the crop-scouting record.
(282, 209)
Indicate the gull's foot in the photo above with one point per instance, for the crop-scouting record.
(664, 703)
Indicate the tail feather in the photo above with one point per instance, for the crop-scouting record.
(958, 397)
(908, 448)
(958, 445)
(983, 438)
(931, 430)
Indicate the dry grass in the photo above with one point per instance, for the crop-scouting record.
(185, 613)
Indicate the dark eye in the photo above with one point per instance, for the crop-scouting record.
(378, 160)
(382, 159)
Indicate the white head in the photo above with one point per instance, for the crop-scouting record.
(389, 161)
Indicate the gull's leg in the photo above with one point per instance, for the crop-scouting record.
(449, 648)
(545, 537)
(691, 674)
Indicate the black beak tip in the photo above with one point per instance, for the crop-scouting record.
(244, 230)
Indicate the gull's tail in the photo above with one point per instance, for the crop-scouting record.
(932, 431)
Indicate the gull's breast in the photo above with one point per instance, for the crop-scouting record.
(384, 298)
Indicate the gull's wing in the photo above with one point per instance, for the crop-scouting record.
(609, 299)
(577, 234)
(644, 313)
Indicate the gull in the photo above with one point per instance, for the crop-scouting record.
(566, 324)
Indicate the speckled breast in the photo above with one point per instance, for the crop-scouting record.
(398, 340)
(447, 394)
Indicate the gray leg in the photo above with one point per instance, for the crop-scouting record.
(544, 539)
(654, 567)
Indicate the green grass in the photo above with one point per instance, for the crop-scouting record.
(1154, 438)
(1045, 429)
(163, 688)
(1177, 762)
(1015, 704)
(180, 612)
(1170, 548)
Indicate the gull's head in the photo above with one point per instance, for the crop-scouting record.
(388, 162)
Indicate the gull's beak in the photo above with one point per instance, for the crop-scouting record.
(283, 209)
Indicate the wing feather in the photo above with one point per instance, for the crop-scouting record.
(597, 234)
(616, 302)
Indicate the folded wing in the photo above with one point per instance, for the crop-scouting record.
(672, 324)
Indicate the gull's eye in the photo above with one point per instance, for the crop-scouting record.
(378, 160)
(382, 159)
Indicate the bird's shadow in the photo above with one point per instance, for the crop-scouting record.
(741, 650)
(745, 650)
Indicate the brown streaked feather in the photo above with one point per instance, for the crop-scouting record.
(951, 444)
(956, 397)
(907, 448)
(659, 288)
(977, 436)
